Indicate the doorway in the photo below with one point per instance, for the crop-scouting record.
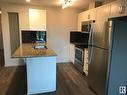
(14, 30)
(1, 44)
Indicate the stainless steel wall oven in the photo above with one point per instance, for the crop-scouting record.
(79, 57)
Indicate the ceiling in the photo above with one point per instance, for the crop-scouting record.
(79, 4)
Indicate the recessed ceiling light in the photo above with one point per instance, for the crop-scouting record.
(27, 0)
(0, 12)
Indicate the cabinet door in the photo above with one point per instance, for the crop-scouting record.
(92, 14)
(99, 28)
(118, 8)
(86, 16)
(125, 2)
(79, 21)
(83, 16)
(41, 74)
(24, 19)
(80, 18)
(37, 19)
(72, 53)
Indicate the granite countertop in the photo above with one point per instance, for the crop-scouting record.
(27, 51)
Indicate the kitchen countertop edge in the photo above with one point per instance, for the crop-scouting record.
(27, 51)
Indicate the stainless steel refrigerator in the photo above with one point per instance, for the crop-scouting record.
(107, 62)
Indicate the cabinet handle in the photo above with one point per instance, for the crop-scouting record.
(88, 16)
(121, 9)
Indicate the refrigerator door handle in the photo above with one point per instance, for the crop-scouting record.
(110, 33)
(90, 50)
(90, 37)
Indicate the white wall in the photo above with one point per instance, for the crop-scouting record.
(6, 36)
(14, 31)
(59, 23)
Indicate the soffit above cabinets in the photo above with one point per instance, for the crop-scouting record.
(79, 4)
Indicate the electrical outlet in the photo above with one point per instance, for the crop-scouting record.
(122, 89)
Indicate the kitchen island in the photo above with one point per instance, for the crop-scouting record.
(41, 68)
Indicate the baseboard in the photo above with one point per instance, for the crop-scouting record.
(13, 65)
(62, 62)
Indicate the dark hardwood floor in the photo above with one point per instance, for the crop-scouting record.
(69, 81)
(1, 57)
(5, 75)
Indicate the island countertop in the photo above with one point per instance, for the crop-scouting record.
(27, 51)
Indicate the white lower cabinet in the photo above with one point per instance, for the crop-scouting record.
(41, 74)
(72, 53)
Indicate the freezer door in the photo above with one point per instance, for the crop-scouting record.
(97, 70)
(100, 34)
(100, 27)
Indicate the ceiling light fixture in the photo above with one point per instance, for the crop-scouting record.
(27, 0)
(0, 12)
(65, 3)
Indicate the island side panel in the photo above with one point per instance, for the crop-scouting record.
(41, 74)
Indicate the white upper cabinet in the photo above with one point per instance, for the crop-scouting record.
(114, 9)
(92, 14)
(86, 16)
(103, 13)
(23, 19)
(118, 8)
(37, 19)
(124, 9)
(82, 17)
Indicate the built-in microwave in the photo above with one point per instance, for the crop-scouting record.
(86, 26)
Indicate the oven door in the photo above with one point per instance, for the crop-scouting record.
(78, 65)
(79, 59)
(79, 55)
